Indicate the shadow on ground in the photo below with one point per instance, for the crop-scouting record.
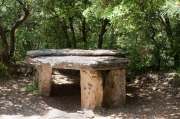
(142, 100)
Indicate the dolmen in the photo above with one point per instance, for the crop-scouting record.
(102, 73)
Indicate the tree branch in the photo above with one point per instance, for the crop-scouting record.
(103, 30)
(16, 24)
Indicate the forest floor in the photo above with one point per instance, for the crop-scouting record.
(149, 96)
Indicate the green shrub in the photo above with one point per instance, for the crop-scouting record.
(3, 70)
(2, 66)
(32, 87)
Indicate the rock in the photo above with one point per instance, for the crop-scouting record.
(44, 77)
(88, 113)
(91, 89)
(55, 72)
(54, 113)
(80, 112)
(70, 52)
(115, 88)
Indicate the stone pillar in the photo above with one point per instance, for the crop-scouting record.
(115, 88)
(44, 74)
(91, 89)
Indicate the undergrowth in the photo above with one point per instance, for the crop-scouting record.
(32, 87)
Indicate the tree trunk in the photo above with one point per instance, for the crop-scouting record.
(157, 44)
(15, 25)
(112, 39)
(176, 60)
(84, 30)
(167, 25)
(72, 30)
(103, 30)
(169, 33)
(64, 28)
(5, 46)
(158, 59)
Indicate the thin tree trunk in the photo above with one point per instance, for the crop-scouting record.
(157, 45)
(103, 30)
(84, 30)
(112, 39)
(64, 28)
(15, 25)
(168, 29)
(5, 46)
(176, 60)
(73, 32)
(158, 59)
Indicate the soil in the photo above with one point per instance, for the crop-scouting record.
(149, 96)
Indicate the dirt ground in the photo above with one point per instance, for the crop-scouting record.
(149, 96)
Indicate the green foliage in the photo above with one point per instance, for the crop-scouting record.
(3, 70)
(134, 26)
(32, 87)
(172, 8)
(6, 71)
(2, 66)
(137, 63)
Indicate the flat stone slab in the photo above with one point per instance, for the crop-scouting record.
(54, 114)
(69, 52)
(80, 62)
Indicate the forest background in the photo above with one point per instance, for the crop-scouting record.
(148, 30)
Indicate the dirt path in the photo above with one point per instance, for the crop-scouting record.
(147, 98)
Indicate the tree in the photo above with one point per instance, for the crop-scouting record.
(15, 25)
(145, 29)
(8, 51)
(170, 22)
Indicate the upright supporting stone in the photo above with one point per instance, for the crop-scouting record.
(44, 74)
(115, 88)
(91, 89)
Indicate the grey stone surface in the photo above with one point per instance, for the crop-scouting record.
(81, 62)
(54, 113)
(91, 89)
(44, 74)
(88, 113)
(115, 88)
(69, 52)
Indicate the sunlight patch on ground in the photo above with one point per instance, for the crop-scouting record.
(18, 117)
(130, 94)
